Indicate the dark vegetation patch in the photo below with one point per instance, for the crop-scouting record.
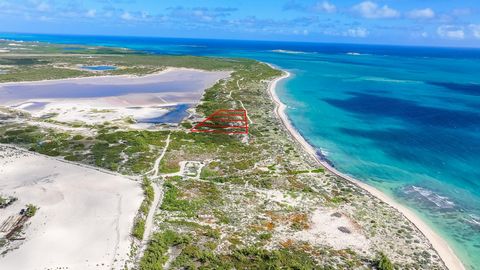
(21, 61)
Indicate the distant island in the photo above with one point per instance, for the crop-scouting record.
(90, 181)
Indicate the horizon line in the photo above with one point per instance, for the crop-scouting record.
(248, 40)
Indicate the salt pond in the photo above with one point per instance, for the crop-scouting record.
(172, 85)
(148, 99)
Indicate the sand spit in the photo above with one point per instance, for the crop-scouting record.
(439, 244)
(85, 216)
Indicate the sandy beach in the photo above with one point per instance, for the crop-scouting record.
(439, 244)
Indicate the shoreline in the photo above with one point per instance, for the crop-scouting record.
(445, 252)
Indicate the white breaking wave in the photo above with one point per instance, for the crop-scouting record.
(440, 201)
(380, 79)
(289, 52)
(475, 220)
(193, 46)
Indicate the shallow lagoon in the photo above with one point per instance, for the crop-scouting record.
(99, 68)
(172, 86)
(175, 115)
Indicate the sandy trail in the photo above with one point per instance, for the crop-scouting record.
(156, 165)
(439, 244)
(157, 201)
(241, 103)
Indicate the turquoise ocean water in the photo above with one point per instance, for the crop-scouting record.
(405, 120)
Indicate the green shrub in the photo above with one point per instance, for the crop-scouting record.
(171, 202)
(139, 228)
(72, 158)
(78, 137)
(31, 210)
(265, 236)
(148, 190)
(155, 255)
(384, 262)
(245, 258)
(187, 125)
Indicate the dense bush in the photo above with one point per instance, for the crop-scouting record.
(31, 210)
(245, 258)
(139, 228)
(155, 255)
(384, 262)
(171, 201)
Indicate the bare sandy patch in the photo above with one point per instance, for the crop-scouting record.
(335, 230)
(84, 219)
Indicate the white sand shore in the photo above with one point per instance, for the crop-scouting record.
(85, 215)
(438, 243)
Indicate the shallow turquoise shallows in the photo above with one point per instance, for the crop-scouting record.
(99, 68)
(403, 119)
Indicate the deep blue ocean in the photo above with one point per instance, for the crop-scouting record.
(403, 119)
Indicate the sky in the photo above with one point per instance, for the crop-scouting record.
(400, 22)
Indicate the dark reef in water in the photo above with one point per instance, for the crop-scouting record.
(324, 158)
(472, 89)
(428, 198)
(368, 105)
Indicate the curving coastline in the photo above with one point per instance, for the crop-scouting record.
(447, 255)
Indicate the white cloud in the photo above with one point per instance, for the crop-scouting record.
(91, 13)
(426, 13)
(451, 32)
(475, 30)
(126, 16)
(462, 12)
(43, 7)
(371, 10)
(45, 18)
(304, 32)
(356, 32)
(325, 6)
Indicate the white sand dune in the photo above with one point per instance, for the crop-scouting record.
(85, 216)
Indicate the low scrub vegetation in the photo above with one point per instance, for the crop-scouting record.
(155, 254)
(384, 262)
(139, 226)
(31, 210)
